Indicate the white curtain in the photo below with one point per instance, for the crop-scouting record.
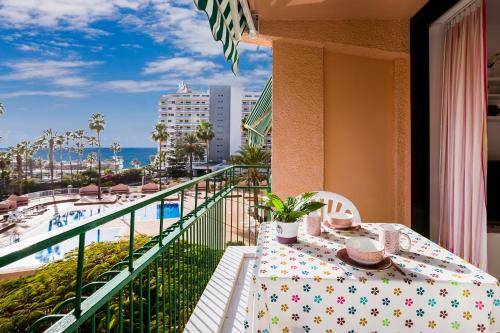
(463, 157)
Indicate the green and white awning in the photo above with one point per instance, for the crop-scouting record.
(228, 20)
(259, 121)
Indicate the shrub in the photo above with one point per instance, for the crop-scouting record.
(26, 299)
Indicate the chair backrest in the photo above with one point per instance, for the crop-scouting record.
(336, 203)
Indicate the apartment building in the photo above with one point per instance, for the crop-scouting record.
(183, 111)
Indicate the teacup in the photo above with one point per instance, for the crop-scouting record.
(364, 250)
(389, 237)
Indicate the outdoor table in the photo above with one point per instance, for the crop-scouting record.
(304, 287)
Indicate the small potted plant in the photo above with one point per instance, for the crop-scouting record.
(288, 213)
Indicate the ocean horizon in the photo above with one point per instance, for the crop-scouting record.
(128, 154)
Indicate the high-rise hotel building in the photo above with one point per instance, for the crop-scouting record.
(222, 106)
(183, 111)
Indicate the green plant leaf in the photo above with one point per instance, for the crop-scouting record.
(275, 201)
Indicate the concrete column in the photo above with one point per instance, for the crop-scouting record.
(298, 104)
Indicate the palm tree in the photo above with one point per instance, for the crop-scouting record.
(68, 137)
(4, 164)
(205, 133)
(253, 155)
(191, 147)
(80, 136)
(115, 148)
(59, 143)
(25, 152)
(17, 152)
(91, 158)
(160, 136)
(97, 124)
(49, 137)
(38, 145)
(92, 141)
(79, 149)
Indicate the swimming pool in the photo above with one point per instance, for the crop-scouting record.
(58, 251)
(149, 213)
(170, 211)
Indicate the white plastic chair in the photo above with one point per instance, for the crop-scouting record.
(336, 203)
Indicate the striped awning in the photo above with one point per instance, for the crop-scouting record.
(2, 109)
(228, 20)
(259, 121)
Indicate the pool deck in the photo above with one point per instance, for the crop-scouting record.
(144, 225)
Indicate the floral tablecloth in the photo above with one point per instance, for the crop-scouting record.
(304, 287)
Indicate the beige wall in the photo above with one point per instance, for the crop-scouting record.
(297, 118)
(358, 132)
(341, 119)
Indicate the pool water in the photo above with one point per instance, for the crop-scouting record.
(58, 251)
(100, 234)
(170, 210)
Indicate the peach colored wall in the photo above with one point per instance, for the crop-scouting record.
(341, 114)
(297, 161)
(359, 148)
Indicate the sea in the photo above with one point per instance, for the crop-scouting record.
(127, 154)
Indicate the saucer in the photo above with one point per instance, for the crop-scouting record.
(354, 226)
(383, 265)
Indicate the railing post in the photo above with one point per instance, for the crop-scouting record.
(181, 213)
(131, 244)
(79, 275)
(162, 205)
(196, 199)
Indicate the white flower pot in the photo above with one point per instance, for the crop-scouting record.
(286, 232)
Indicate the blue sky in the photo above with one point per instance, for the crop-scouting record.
(62, 60)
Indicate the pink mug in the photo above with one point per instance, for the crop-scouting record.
(389, 238)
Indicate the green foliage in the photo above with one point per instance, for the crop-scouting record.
(292, 209)
(108, 183)
(108, 171)
(183, 265)
(78, 179)
(24, 300)
(127, 176)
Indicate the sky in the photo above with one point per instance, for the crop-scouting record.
(62, 60)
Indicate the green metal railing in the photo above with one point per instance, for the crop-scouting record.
(156, 287)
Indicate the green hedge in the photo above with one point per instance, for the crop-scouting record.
(26, 299)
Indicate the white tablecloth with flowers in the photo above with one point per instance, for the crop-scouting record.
(304, 287)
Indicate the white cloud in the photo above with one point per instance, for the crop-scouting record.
(64, 73)
(136, 86)
(252, 80)
(134, 46)
(185, 65)
(255, 57)
(61, 13)
(178, 23)
(61, 93)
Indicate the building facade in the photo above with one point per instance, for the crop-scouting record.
(184, 110)
(220, 117)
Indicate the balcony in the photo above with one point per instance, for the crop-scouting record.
(158, 284)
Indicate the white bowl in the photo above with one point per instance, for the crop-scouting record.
(340, 220)
(365, 250)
